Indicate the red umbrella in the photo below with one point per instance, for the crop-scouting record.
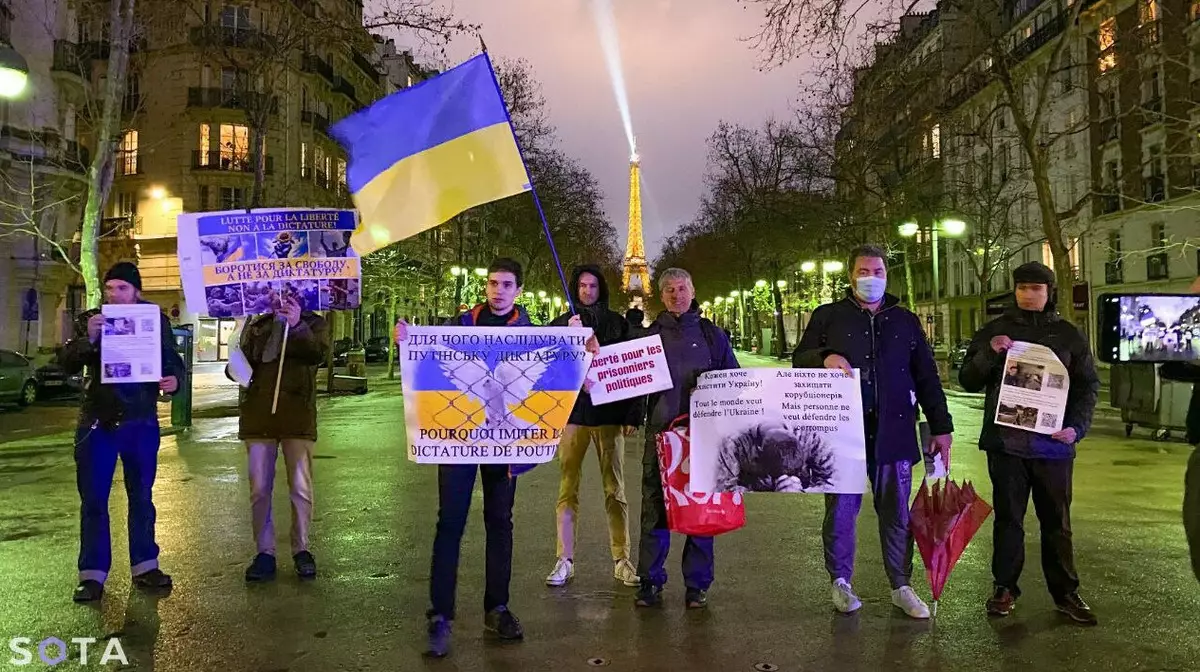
(943, 521)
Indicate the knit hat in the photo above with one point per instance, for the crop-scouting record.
(1034, 273)
(126, 271)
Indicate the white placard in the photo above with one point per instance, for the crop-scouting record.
(627, 370)
(131, 344)
(778, 430)
(1033, 389)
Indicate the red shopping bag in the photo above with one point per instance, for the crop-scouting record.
(692, 513)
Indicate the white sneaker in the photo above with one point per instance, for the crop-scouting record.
(626, 574)
(564, 571)
(844, 599)
(905, 599)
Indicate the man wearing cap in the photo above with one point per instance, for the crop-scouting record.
(117, 420)
(1021, 462)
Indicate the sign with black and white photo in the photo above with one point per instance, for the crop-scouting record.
(778, 430)
(1033, 391)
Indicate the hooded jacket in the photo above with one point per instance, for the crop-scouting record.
(983, 370)
(897, 368)
(693, 346)
(308, 346)
(610, 327)
(110, 405)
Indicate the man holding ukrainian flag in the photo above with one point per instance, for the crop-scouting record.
(416, 159)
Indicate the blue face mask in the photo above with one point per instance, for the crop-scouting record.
(870, 289)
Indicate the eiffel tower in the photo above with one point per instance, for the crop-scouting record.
(635, 281)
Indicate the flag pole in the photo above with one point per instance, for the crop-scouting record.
(537, 202)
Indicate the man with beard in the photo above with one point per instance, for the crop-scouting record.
(606, 426)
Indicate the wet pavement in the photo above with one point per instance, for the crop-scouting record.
(769, 607)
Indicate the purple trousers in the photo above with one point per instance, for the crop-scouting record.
(891, 485)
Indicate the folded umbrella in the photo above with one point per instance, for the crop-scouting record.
(943, 521)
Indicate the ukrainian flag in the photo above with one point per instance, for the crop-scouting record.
(423, 155)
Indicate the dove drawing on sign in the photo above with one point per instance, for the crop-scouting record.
(499, 388)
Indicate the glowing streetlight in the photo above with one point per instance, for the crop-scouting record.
(456, 271)
(808, 266)
(541, 295)
(909, 229)
(760, 284)
(782, 284)
(719, 300)
(735, 294)
(557, 301)
(832, 266)
(481, 272)
(158, 193)
(14, 72)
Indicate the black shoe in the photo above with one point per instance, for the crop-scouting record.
(153, 580)
(1076, 609)
(502, 622)
(1001, 603)
(262, 569)
(88, 591)
(306, 565)
(649, 595)
(439, 637)
(696, 598)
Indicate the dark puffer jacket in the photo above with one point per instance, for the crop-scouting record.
(983, 369)
(610, 328)
(109, 405)
(296, 417)
(897, 367)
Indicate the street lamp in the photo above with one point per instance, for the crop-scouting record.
(14, 72)
(456, 271)
(481, 272)
(760, 284)
(541, 295)
(832, 266)
(781, 284)
(808, 266)
(951, 227)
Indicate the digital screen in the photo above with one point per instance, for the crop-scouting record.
(1159, 328)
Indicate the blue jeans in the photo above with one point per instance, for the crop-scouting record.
(698, 563)
(96, 452)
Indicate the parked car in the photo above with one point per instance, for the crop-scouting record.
(18, 383)
(377, 349)
(958, 353)
(52, 381)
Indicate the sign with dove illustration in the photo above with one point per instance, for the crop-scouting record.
(490, 395)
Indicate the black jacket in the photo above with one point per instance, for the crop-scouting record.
(897, 367)
(983, 369)
(610, 327)
(1187, 372)
(110, 405)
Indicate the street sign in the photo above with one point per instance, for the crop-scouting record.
(29, 307)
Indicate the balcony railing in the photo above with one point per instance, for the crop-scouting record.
(1109, 203)
(1149, 34)
(100, 49)
(1154, 188)
(317, 121)
(118, 227)
(228, 162)
(1152, 111)
(1110, 130)
(210, 35)
(229, 99)
(343, 86)
(321, 178)
(365, 65)
(1114, 272)
(315, 64)
(132, 102)
(66, 58)
(1157, 267)
(1039, 38)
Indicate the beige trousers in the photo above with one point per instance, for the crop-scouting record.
(610, 449)
(297, 458)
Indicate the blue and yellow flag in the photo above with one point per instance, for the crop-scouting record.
(423, 155)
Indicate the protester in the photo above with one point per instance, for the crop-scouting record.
(1189, 372)
(1022, 462)
(117, 420)
(607, 426)
(456, 482)
(868, 330)
(292, 426)
(692, 346)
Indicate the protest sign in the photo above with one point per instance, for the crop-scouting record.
(1033, 390)
(490, 395)
(231, 262)
(629, 369)
(778, 430)
(131, 343)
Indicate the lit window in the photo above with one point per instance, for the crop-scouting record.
(205, 143)
(935, 141)
(341, 172)
(1147, 11)
(235, 146)
(127, 155)
(303, 159)
(1107, 40)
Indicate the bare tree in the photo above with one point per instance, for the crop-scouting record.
(826, 29)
